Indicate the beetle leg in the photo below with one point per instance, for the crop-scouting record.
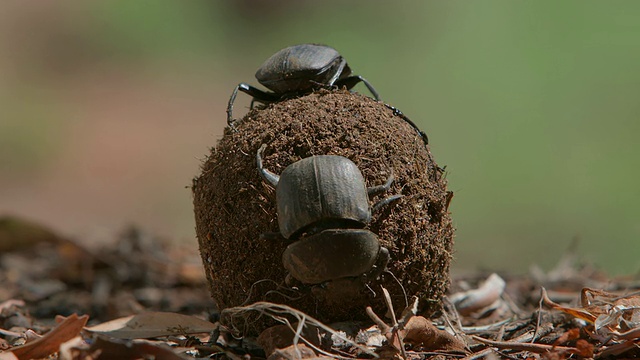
(380, 265)
(254, 101)
(404, 117)
(272, 235)
(385, 202)
(381, 188)
(267, 175)
(257, 94)
(353, 80)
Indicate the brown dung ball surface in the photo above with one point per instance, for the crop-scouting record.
(234, 207)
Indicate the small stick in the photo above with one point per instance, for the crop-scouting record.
(478, 355)
(454, 312)
(396, 327)
(535, 348)
(387, 299)
(384, 328)
(535, 333)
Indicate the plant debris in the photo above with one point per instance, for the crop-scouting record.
(550, 315)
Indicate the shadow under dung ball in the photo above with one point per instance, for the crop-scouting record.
(234, 208)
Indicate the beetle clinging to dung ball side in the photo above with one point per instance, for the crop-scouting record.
(323, 207)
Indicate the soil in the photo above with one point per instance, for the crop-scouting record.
(234, 208)
(140, 286)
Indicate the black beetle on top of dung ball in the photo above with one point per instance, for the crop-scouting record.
(298, 70)
(323, 207)
(301, 69)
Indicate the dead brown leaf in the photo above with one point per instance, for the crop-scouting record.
(488, 293)
(67, 329)
(293, 352)
(281, 336)
(576, 312)
(614, 312)
(421, 333)
(104, 348)
(153, 324)
(275, 337)
(7, 356)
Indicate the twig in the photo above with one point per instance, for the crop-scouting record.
(387, 300)
(396, 327)
(404, 292)
(618, 349)
(423, 354)
(535, 333)
(483, 328)
(511, 304)
(450, 307)
(500, 335)
(505, 355)
(480, 354)
(384, 328)
(449, 324)
(535, 348)
(11, 333)
(631, 334)
(278, 313)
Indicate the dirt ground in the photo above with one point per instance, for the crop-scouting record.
(54, 292)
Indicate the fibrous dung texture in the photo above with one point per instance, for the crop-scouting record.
(235, 208)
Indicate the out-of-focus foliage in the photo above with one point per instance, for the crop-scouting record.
(533, 107)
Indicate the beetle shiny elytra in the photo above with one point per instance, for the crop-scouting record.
(323, 207)
(298, 70)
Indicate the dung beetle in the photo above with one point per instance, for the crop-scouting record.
(323, 208)
(296, 71)
(300, 69)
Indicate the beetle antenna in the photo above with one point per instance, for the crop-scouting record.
(267, 175)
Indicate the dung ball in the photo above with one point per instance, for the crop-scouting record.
(237, 222)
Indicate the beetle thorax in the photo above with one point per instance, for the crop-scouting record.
(320, 192)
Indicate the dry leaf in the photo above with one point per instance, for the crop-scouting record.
(50, 343)
(104, 348)
(10, 303)
(282, 336)
(420, 332)
(7, 356)
(293, 352)
(619, 313)
(579, 313)
(486, 294)
(604, 310)
(275, 337)
(153, 324)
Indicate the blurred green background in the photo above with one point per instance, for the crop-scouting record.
(108, 107)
